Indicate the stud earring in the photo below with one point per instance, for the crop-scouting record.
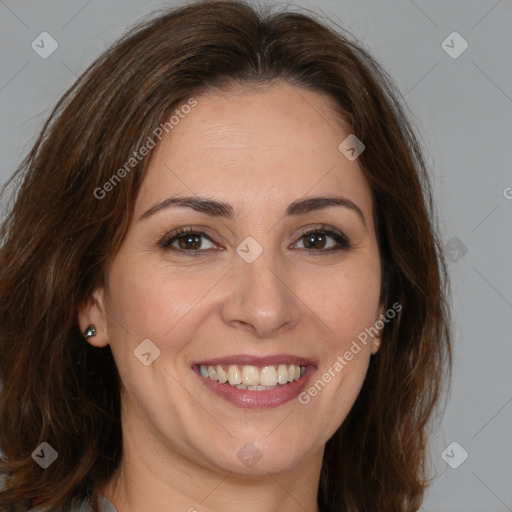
(90, 332)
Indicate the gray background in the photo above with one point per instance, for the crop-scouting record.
(462, 108)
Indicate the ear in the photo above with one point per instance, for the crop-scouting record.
(92, 312)
(377, 340)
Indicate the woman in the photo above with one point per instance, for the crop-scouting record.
(221, 284)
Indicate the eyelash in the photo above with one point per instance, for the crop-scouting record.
(339, 237)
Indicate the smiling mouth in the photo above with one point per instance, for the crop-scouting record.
(253, 378)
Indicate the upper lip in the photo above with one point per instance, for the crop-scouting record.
(244, 359)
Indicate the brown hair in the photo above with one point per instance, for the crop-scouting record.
(58, 237)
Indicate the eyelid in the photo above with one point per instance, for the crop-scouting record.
(313, 228)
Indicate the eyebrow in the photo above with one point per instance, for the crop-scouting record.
(225, 210)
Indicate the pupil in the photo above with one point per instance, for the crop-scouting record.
(190, 242)
(314, 239)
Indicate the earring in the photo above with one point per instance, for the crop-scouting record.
(90, 332)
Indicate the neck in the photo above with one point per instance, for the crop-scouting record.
(150, 477)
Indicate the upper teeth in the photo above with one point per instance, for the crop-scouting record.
(245, 376)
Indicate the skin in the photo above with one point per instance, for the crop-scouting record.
(258, 150)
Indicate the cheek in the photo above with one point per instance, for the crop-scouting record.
(346, 301)
(154, 301)
(350, 307)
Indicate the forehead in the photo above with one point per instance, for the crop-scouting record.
(244, 145)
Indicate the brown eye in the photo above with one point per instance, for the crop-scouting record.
(323, 240)
(314, 241)
(187, 240)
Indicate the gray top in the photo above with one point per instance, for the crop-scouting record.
(106, 506)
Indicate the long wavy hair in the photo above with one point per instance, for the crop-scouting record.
(58, 238)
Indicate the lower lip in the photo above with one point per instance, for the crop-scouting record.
(258, 399)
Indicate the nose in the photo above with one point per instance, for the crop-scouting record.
(261, 298)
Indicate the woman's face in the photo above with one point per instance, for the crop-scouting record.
(258, 293)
